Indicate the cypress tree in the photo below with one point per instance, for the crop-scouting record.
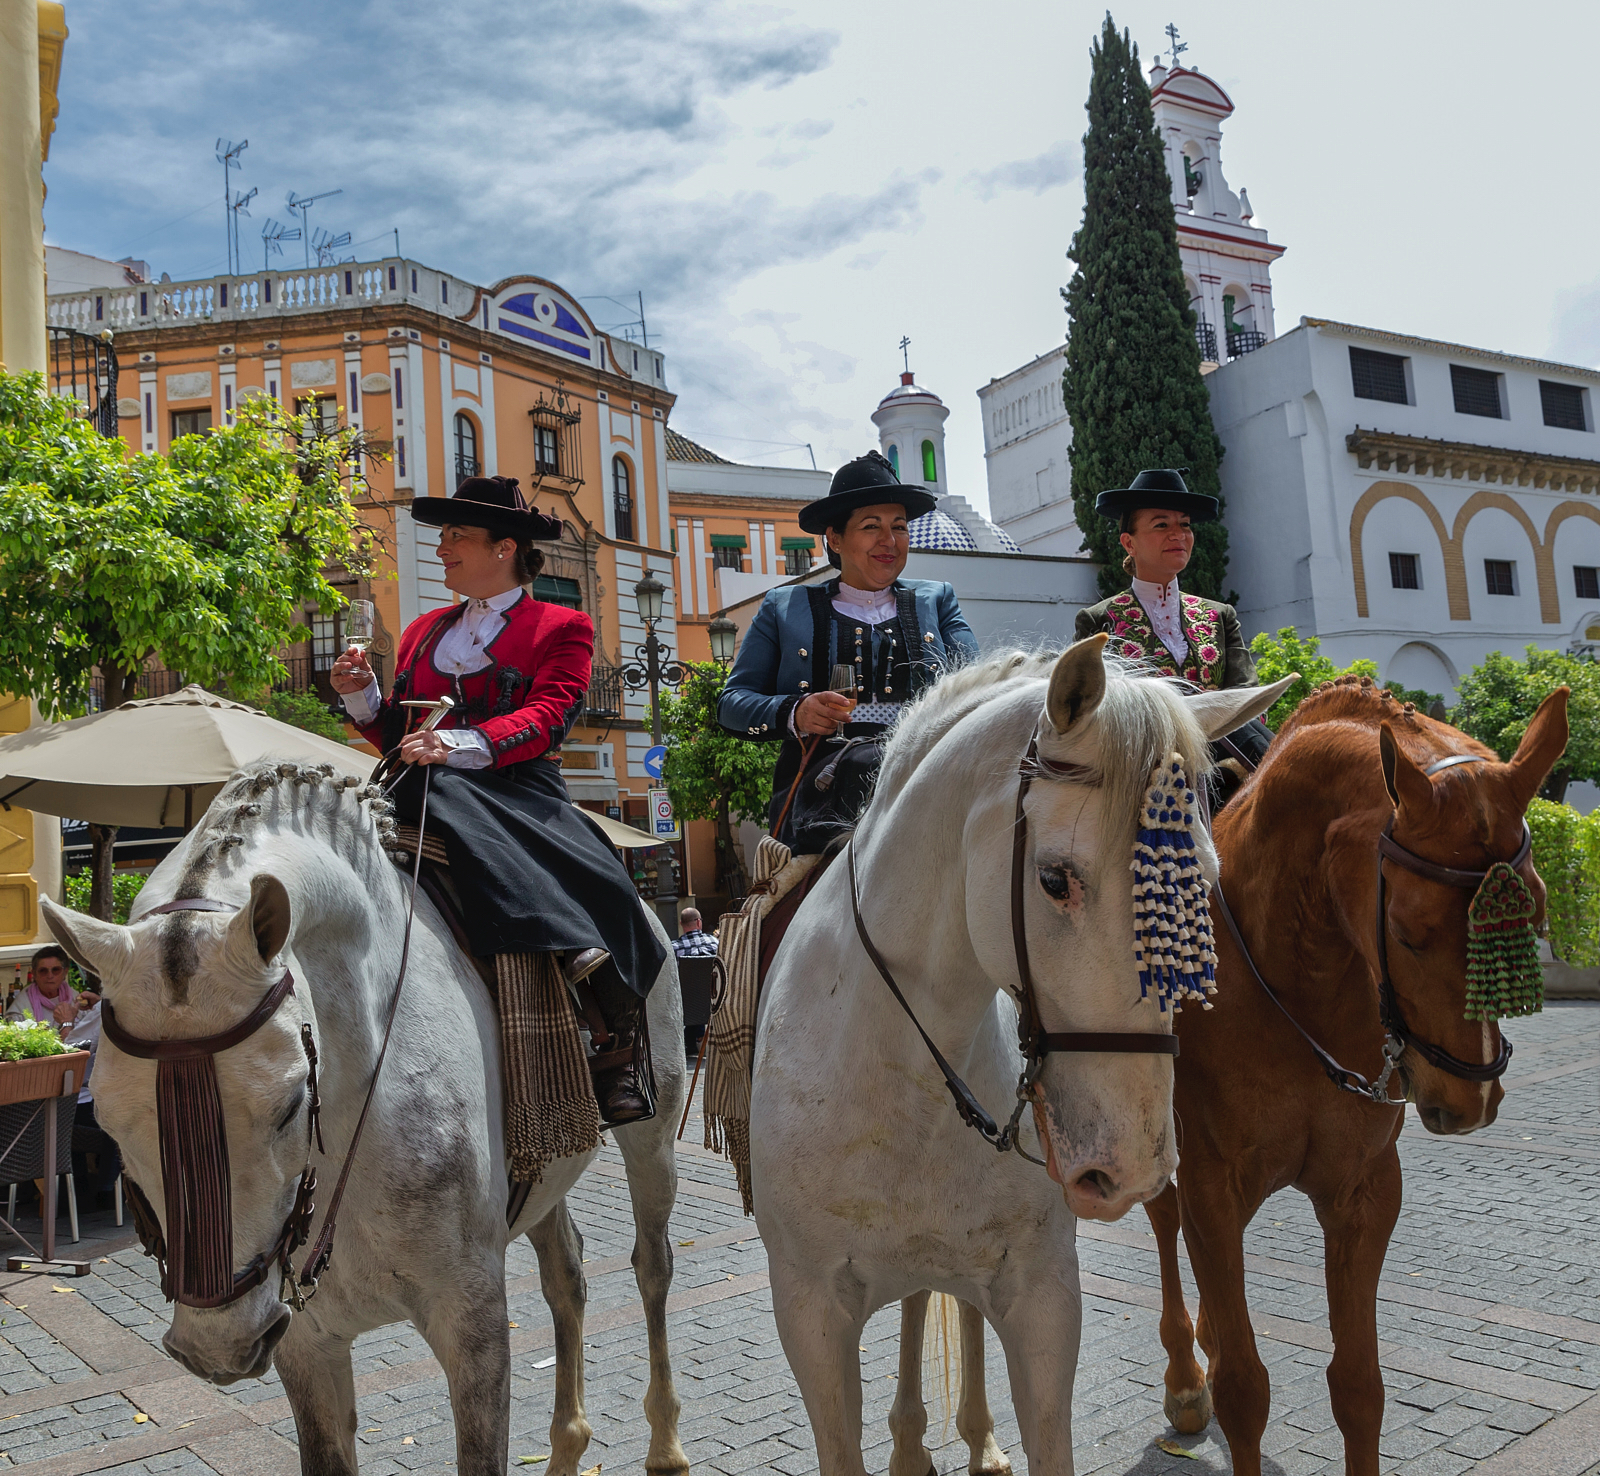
(1132, 384)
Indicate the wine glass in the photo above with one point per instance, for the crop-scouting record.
(360, 622)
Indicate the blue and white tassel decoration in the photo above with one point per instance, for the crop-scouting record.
(1172, 939)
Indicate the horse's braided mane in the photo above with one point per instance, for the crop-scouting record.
(1354, 699)
(310, 795)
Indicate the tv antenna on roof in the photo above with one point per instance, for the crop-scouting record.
(327, 245)
(303, 204)
(240, 206)
(272, 235)
(1178, 47)
(228, 157)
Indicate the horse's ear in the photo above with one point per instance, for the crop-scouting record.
(1219, 712)
(1541, 746)
(262, 928)
(96, 947)
(1408, 786)
(1077, 684)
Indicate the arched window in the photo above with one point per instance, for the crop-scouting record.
(930, 468)
(894, 458)
(622, 499)
(466, 448)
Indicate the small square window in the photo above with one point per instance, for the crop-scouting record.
(1375, 376)
(1500, 575)
(191, 422)
(727, 558)
(1404, 571)
(1476, 391)
(1586, 581)
(1562, 405)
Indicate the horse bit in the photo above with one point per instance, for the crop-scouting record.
(1397, 1035)
(1035, 1041)
(189, 1108)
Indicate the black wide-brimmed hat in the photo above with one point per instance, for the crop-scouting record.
(864, 482)
(1161, 487)
(495, 503)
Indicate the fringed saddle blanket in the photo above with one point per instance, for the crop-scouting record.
(731, 1038)
(550, 1108)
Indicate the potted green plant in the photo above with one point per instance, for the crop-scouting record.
(34, 1063)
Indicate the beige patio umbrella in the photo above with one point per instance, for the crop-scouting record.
(155, 762)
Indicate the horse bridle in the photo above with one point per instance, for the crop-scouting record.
(1398, 1036)
(1034, 1040)
(189, 1112)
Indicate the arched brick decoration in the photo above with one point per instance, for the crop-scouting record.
(1543, 568)
(1558, 515)
(1455, 576)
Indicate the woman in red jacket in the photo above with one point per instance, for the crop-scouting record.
(533, 875)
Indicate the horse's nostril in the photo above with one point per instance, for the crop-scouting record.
(1097, 1182)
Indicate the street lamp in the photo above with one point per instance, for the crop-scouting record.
(724, 638)
(652, 665)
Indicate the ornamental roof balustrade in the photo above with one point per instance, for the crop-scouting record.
(253, 296)
(1421, 456)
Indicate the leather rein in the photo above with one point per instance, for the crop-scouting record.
(1398, 1037)
(1034, 1040)
(215, 1196)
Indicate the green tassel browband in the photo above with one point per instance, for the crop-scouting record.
(1504, 977)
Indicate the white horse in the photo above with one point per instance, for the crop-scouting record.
(868, 1188)
(422, 1232)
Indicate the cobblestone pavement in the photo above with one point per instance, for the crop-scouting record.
(1489, 1319)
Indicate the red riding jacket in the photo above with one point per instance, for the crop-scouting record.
(524, 702)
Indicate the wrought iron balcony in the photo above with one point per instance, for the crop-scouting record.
(466, 466)
(83, 368)
(1244, 341)
(1206, 336)
(604, 700)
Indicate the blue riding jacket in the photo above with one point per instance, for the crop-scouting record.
(788, 651)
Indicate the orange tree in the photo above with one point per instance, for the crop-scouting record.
(204, 558)
(709, 773)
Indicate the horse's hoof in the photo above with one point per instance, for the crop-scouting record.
(1189, 1412)
(991, 1462)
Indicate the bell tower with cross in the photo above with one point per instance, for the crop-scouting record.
(1227, 258)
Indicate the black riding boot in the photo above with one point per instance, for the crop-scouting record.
(617, 1087)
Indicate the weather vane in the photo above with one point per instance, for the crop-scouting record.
(905, 350)
(1178, 47)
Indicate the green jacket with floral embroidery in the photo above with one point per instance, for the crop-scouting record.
(1218, 656)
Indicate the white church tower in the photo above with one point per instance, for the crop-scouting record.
(1226, 260)
(910, 423)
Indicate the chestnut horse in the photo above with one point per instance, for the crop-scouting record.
(1257, 1110)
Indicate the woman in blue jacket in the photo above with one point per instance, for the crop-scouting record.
(895, 635)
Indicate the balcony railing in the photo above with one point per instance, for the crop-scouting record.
(158, 683)
(1206, 336)
(1244, 341)
(466, 466)
(265, 294)
(83, 368)
(605, 693)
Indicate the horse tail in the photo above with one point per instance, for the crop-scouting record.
(940, 1334)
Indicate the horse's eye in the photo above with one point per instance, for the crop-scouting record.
(294, 1107)
(1060, 883)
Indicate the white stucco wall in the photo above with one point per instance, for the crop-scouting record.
(1293, 488)
(1027, 441)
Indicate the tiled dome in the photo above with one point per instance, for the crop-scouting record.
(936, 530)
(940, 530)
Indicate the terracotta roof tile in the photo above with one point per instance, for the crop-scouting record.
(681, 448)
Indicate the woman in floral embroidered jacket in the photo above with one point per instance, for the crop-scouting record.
(1176, 634)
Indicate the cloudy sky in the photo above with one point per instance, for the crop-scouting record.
(794, 188)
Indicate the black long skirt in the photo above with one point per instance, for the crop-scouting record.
(533, 875)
